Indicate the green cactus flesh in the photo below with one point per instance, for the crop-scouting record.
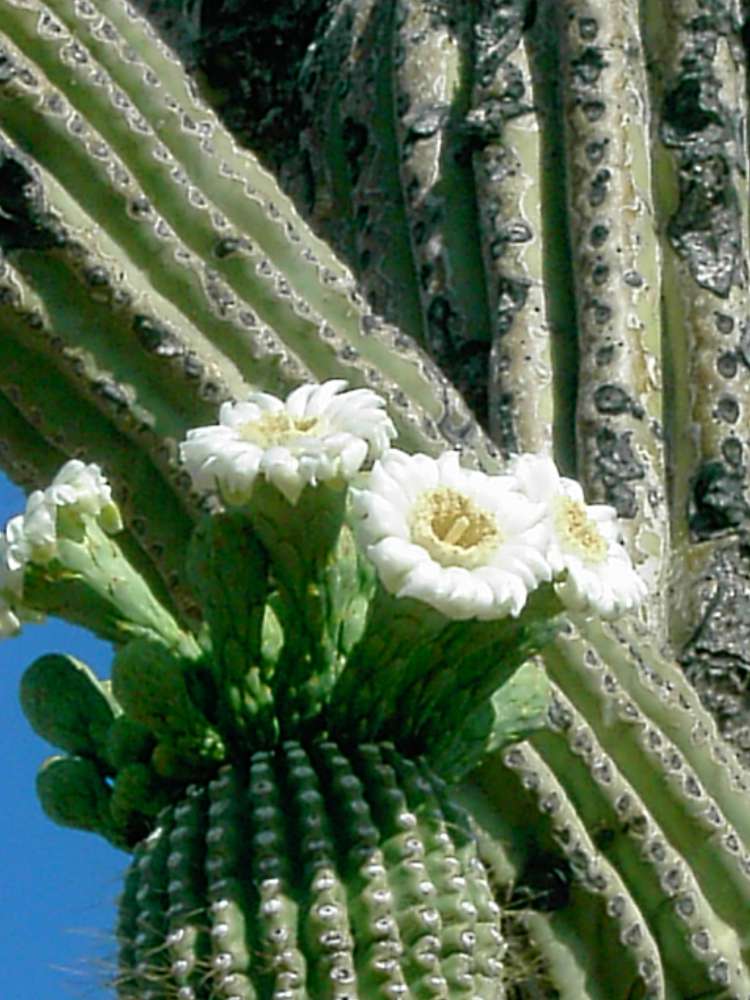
(311, 872)
(544, 206)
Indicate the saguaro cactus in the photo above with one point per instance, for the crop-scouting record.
(543, 209)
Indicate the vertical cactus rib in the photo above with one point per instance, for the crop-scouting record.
(278, 946)
(603, 933)
(505, 139)
(187, 933)
(231, 896)
(127, 928)
(151, 954)
(351, 143)
(620, 451)
(432, 76)
(296, 288)
(701, 169)
(666, 878)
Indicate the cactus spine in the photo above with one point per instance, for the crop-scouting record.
(512, 209)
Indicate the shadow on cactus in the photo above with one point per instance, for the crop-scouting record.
(367, 626)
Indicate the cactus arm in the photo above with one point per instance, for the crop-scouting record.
(701, 175)
(619, 420)
(431, 93)
(324, 323)
(506, 143)
(349, 78)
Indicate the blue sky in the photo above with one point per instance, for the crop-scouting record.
(58, 887)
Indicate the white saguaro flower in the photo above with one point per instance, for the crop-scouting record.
(13, 558)
(77, 490)
(10, 624)
(40, 526)
(320, 433)
(593, 567)
(83, 489)
(468, 544)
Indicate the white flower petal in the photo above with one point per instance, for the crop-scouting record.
(9, 622)
(431, 539)
(320, 434)
(40, 526)
(593, 569)
(15, 551)
(393, 559)
(321, 397)
(382, 517)
(537, 476)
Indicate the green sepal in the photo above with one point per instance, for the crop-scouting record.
(67, 705)
(73, 793)
(416, 677)
(149, 681)
(228, 570)
(90, 582)
(128, 742)
(517, 709)
(323, 585)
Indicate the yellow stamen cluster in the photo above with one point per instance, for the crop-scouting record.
(277, 429)
(453, 528)
(577, 532)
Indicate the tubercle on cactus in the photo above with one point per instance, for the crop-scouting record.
(391, 898)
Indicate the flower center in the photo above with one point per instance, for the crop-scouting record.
(277, 429)
(577, 532)
(453, 529)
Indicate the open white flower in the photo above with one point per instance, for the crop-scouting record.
(584, 548)
(320, 433)
(468, 544)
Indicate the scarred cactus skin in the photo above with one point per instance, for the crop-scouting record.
(542, 204)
